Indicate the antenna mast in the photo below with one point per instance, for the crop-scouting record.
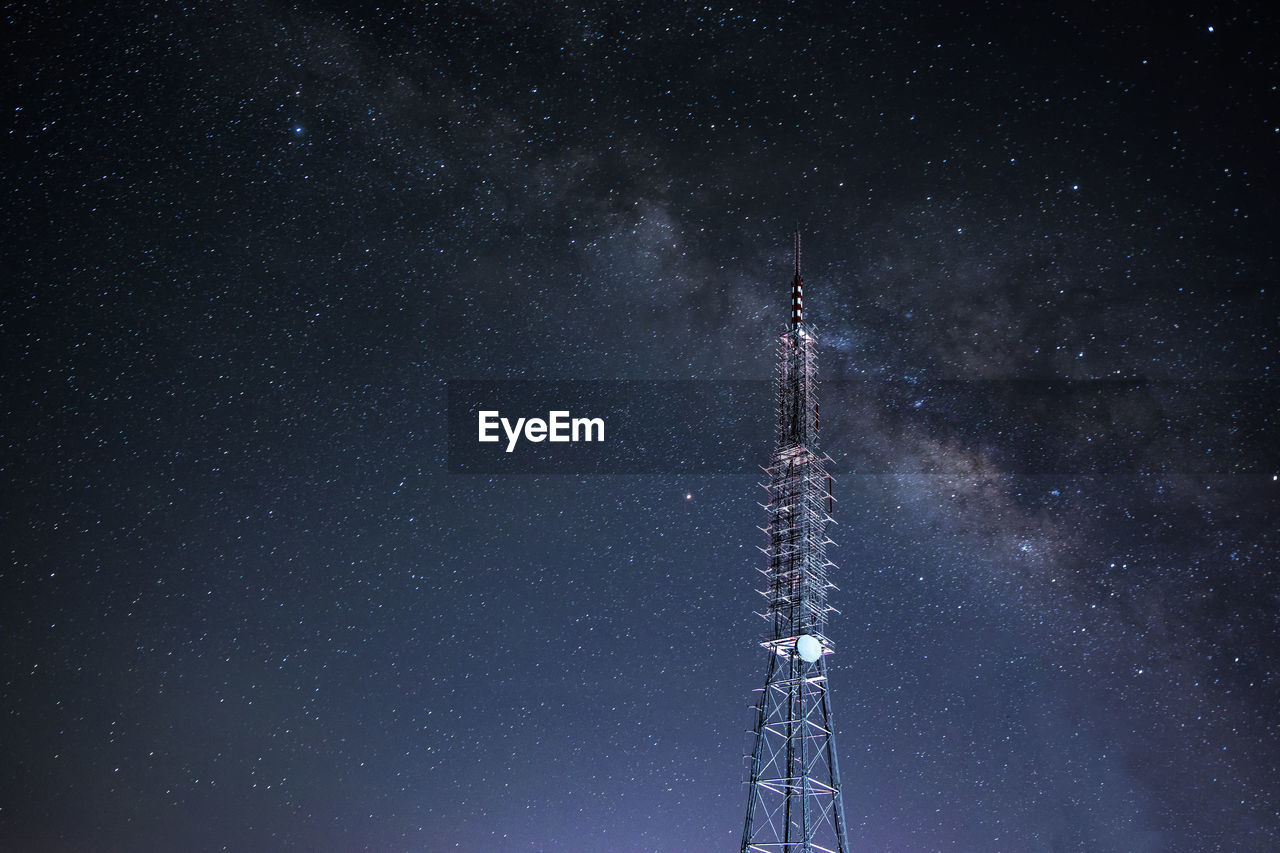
(797, 291)
(794, 803)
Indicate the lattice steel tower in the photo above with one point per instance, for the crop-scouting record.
(794, 804)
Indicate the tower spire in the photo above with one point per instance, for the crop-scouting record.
(797, 290)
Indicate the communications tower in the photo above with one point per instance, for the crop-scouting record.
(794, 803)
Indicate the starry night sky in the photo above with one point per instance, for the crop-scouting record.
(245, 605)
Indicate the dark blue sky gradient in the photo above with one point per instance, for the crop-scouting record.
(246, 606)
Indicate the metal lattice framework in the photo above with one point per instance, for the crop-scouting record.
(794, 801)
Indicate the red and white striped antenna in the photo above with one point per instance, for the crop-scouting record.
(797, 290)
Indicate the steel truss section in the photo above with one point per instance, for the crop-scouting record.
(794, 803)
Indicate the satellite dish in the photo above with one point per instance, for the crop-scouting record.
(808, 648)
